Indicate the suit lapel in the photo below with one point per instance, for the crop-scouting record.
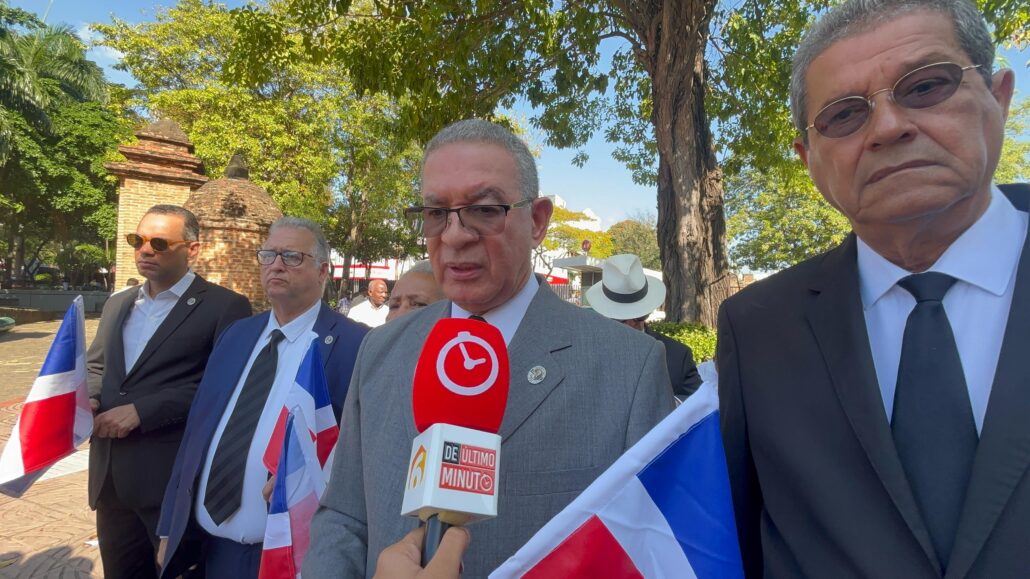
(325, 327)
(836, 318)
(533, 345)
(115, 343)
(1003, 454)
(182, 309)
(225, 374)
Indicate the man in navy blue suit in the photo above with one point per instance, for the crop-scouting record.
(214, 510)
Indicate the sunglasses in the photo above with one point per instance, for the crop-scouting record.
(642, 318)
(921, 88)
(158, 244)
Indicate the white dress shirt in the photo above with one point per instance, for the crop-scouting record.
(147, 315)
(368, 314)
(247, 525)
(507, 316)
(983, 260)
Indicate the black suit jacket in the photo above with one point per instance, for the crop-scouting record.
(161, 385)
(818, 488)
(680, 360)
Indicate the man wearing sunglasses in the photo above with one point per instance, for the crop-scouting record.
(220, 482)
(582, 389)
(144, 365)
(875, 398)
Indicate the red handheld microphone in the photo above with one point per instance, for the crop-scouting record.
(458, 399)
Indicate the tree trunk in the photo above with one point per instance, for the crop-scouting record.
(691, 223)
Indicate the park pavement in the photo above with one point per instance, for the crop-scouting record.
(50, 531)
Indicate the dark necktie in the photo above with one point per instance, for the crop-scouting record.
(225, 481)
(478, 318)
(933, 425)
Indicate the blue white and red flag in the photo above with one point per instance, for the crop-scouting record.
(298, 487)
(310, 396)
(662, 510)
(56, 417)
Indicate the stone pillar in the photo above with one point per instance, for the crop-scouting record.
(159, 168)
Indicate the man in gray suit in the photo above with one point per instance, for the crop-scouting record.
(583, 388)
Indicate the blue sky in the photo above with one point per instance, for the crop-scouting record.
(603, 184)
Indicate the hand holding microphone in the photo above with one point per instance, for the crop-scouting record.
(458, 399)
(402, 559)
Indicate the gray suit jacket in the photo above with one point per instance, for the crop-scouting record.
(606, 385)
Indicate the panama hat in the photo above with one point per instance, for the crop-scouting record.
(625, 293)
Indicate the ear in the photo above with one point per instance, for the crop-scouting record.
(542, 209)
(323, 272)
(1002, 86)
(192, 251)
(801, 149)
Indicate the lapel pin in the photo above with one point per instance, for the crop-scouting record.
(191, 301)
(536, 374)
(328, 340)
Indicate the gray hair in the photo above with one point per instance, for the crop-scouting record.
(190, 227)
(854, 17)
(321, 248)
(480, 131)
(422, 266)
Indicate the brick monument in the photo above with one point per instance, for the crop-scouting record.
(159, 168)
(234, 216)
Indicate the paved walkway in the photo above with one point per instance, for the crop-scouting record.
(50, 531)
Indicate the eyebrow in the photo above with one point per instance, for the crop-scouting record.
(907, 66)
(474, 198)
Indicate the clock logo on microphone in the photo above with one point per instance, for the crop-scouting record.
(470, 371)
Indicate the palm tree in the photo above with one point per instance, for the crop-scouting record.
(41, 65)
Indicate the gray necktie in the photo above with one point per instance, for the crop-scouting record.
(933, 425)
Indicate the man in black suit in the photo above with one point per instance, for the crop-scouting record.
(874, 399)
(144, 365)
(627, 295)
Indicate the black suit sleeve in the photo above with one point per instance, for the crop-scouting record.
(171, 405)
(691, 379)
(747, 498)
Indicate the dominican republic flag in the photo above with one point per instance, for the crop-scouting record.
(662, 510)
(298, 486)
(310, 396)
(56, 417)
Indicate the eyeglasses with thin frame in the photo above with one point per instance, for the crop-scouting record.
(481, 219)
(290, 258)
(921, 88)
(158, 244)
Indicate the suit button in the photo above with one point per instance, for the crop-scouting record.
(121, 393)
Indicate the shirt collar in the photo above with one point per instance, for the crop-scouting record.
(964, 258)
(296, 327)
(177, 290)
(507, 316)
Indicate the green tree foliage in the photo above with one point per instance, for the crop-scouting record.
(565, 239)
(1014, 164)
(320, 149)
(55, 134)
(38, 65)
(639, 237)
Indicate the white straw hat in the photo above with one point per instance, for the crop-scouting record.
(625, 293)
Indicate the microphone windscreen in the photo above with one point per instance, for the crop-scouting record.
(461, 377)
